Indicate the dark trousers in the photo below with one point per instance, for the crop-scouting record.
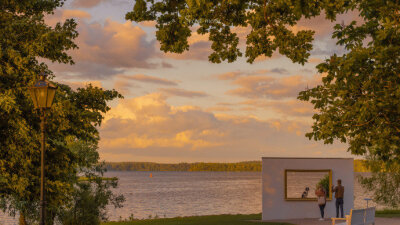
(339, 204)
(322, 209)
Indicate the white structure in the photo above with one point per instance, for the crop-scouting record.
(274, 205)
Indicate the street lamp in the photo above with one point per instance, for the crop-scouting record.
(42, 94)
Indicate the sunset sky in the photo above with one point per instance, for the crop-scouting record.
(182, 108)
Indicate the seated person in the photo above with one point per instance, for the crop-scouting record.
(305, 193)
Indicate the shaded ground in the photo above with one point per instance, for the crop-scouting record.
(203, 220)
(252, 219)
(378, 221)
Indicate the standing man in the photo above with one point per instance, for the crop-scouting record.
(339, 194)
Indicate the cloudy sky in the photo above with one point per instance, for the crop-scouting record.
(182, 108)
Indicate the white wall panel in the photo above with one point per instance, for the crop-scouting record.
(274, 205)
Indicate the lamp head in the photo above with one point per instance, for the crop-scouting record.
(42, 76)
(43, 92)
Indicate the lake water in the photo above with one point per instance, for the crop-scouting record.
(171, 194)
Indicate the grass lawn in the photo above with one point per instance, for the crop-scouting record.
(201, 220)
(388, 213)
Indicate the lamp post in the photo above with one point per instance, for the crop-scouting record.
(42, 94)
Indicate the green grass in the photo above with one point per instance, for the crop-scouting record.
(202, 220)
(388, 213)
(102, 178)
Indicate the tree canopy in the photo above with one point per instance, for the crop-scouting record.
(269, 21)
(25, 40)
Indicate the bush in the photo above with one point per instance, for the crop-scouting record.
(324, 182)
(90, 198)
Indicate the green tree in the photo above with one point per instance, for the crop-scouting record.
(92, 192)
(26, 38)
(358, 100)
(324, 183)
(267, 19)
(383, 181)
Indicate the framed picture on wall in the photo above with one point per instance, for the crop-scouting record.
(300, 185)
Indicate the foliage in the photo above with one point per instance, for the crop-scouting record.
(90, 198)
(148, 166)
(26, 38)
(357, 101)
(359, 166)
(324, 182)
(201, 220)
(268, 21)
(384, 181)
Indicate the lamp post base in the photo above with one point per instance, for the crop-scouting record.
(42, 213)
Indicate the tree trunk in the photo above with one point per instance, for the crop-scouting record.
(22, 219)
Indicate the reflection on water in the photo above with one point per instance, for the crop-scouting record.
(300, 182)
(173, 194)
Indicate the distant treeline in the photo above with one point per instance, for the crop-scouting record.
(251, 166)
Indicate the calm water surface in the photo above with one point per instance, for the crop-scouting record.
(171, 194)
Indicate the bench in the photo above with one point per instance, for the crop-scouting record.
(370, 216)
(358, 217)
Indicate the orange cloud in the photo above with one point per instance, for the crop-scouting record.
(148, 79)
(197, 51)
(180, 140)
(148, 127)
(80, 84)
(86, 3)
(182, 93)
(219, 109)
(233, 75)
(229, 75)
(61, 15)
(106, 49)
(151, 111)
(315, 60)
(242, 33)
(148, 23)
(324, 27)
(292, 107)
(262, 58)
(114, 44)
(124, 87)
(257, 86)
(196, 38)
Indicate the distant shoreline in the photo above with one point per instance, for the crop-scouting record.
(251, 166)
(247, 166)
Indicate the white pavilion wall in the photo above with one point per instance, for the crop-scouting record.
(274, 205)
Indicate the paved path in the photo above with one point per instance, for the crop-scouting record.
(378, 221)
